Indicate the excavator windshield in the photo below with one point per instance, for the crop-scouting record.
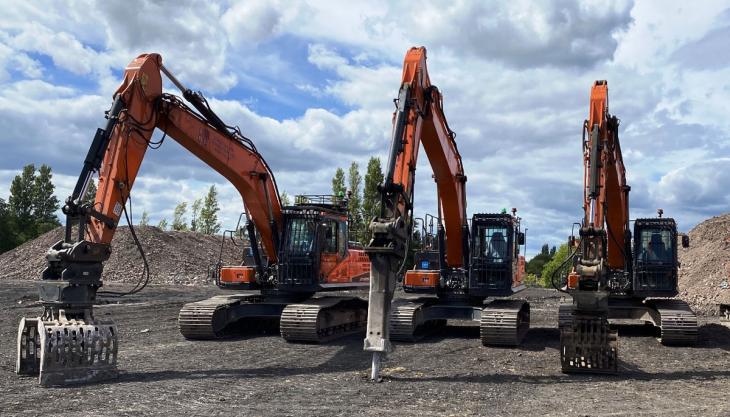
(300, 235)
(655, 246)
(491, 243)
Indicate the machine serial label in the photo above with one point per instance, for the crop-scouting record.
(118, 209)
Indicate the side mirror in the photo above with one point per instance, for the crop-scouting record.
(520, 238)
(685, 241)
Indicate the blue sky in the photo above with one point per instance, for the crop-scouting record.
(312, 84)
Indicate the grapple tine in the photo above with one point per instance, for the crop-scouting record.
(588, 344)
(29, 347)
(66, 352)
(77, 352)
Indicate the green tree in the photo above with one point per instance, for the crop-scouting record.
(179, 223)
(552, 251)
(32, 206)
(195, 214)
(338, 183)
(45, 204)
(547, 271)
(145, 220)
(162, 224)
(9, 236)
(535, 265)
(354, 205)
(209, 213)
(20, 202)
(90, 196)
(285, 200)
(371, 196)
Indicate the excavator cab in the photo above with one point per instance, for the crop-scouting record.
(315, 245)
(655, 258)
(495, 255)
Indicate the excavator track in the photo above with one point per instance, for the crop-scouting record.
(323, 319)
(504, 322)
(677, 321)
(589, 344)
(207, 319)
(565, 314)
(407, 322)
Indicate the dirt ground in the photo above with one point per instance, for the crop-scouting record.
(446, 374)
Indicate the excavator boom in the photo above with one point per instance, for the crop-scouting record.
(419, 118)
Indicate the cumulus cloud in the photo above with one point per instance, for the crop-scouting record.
(515, 77)
(527, 34)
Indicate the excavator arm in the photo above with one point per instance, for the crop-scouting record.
(73, 276)
(605, 236)
(139, 108)
(418, 119)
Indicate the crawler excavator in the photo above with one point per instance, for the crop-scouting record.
(495, 269)
(459, 284)
(306, 245)
(612, 278)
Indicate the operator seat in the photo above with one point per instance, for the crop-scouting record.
(497, 247)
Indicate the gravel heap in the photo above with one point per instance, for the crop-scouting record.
(704, 274)
(173, 257)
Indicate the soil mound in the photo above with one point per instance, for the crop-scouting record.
(173, 257)
(704, 274)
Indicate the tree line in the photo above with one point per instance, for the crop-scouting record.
(541, 267)
(31, 207)
(204, 215)
(363, 202)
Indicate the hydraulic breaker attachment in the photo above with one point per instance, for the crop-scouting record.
(386, 253)
(382, 287)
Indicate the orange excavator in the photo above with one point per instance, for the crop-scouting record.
(459, 279)
(612, 278)
(495, 269)
(306, 245)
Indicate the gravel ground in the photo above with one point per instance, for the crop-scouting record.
(446, 374)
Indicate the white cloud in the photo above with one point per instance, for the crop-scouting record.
(248, 23)
(515, 78)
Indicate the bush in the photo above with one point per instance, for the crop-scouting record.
(531, 280)
(547, 271)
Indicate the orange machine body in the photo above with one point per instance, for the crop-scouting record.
(354, 266)
(231, 155)
(425, 123)
(237, 275)
(610, 177)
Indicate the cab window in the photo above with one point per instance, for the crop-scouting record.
(330, 230)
